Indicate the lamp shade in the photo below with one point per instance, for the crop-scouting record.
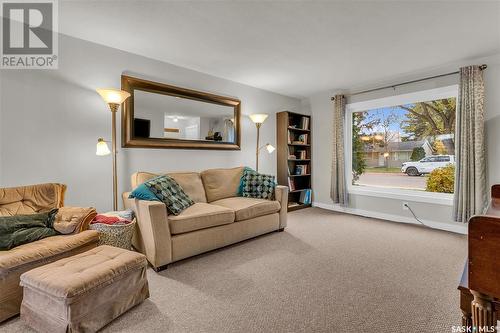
(258, 118)
(102, 148)
(270, 148)
(113, 96)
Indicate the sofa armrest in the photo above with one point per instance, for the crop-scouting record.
(152, 233)
(281, 194)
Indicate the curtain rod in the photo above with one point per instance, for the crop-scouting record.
(482, 67)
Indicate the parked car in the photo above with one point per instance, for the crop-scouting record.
(427, 164)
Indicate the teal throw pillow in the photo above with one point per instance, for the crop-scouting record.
(142, 192)
(242, 181)
(168, 191)
(257, 185)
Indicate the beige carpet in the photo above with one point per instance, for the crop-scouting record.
(328, 272)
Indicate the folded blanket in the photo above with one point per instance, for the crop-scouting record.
(114, 218)
(22, 229)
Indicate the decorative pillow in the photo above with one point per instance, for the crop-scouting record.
(170, 192)
(257, 185)
(242, 181)
(142, 192)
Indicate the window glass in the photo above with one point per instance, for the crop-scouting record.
(398, 146)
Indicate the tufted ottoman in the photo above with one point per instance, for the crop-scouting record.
(85, 292)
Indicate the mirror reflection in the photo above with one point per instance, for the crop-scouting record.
(172, 117)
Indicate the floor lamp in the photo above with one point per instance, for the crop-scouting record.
(114, 98)
(258, 119)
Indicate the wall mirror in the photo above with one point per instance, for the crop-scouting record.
(158, 115)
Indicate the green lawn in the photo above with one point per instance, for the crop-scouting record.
(383, 170)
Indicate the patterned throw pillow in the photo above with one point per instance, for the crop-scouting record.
(243, 180)
(257, 185)
(170, 192)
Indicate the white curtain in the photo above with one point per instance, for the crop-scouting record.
(338, 191)
(470, 173)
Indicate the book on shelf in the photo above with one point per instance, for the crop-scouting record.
(305, 197)
(291, 184)
(289, 137)
(302, 154)
(304, 123)
(301, 169)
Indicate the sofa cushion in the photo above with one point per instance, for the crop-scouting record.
(189, 181)
(199, 216)
(140, 177)
(44, 250)
(221, 183)
(31, 199)
(247, 208)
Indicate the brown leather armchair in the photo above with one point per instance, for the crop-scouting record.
(71, 222)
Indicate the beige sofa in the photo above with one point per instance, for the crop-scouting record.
(72, 221)
(218, 218)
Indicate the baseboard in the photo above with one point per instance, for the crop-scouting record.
(458, 228)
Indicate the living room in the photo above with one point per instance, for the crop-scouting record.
(313, 166)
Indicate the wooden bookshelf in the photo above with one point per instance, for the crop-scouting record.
(294, 138)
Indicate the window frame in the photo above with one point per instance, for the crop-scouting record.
(394, 193)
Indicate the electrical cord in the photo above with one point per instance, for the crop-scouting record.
(415, 216)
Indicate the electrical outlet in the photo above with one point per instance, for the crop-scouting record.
(405, 206)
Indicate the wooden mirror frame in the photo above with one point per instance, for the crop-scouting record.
(130, 84)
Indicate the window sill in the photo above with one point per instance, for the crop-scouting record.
(445, 199)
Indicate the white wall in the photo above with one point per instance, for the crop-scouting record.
(322, 112)
(157, 119)
(51, 119)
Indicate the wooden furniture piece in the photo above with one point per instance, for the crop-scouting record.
(194, 114)
(480, 284)
(294, 156)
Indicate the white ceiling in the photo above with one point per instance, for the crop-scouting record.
(294, 48)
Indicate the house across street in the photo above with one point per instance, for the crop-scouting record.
(399, 152)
